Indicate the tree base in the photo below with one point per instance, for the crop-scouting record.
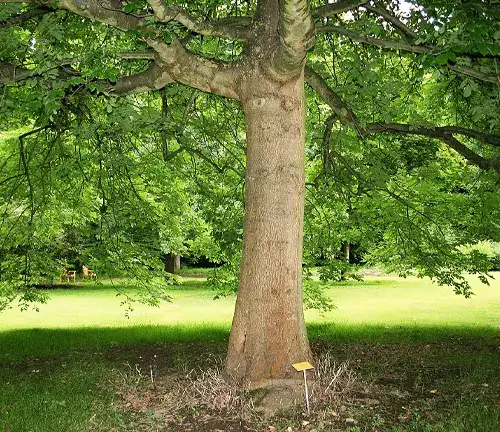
(274, 396)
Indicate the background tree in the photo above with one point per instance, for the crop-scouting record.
(54, 62)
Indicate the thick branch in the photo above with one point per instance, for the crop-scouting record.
(337, 7)
(151, 79)
(493, 139)
(495, 79)
(432, 131)
(106, 11)
(338, 106)
(296, 36)
(10, 73)
(420, 49)
(443, 133)
(189, 69)
(234, 28)
(154, 78)
(382, 43)
(177, 64)
(174, 63)
(137, 55)
(471, 156)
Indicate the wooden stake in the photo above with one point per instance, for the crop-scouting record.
(304, 367)
(307, 392)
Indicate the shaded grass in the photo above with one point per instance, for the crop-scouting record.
(18, 345)
(66, 373)
(64, 395)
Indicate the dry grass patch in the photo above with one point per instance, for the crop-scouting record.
(203, 400)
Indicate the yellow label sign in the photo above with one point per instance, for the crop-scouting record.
(299, 367)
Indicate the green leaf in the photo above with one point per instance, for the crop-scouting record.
(441, 59)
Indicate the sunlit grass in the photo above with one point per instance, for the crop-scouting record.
(381, 300)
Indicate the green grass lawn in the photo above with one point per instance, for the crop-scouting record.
(59, 367)
(376, 300)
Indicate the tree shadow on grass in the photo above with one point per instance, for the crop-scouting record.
(17, 345)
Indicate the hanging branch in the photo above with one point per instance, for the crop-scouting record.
(394, 21)
(24, 162)
(443, 133)
(336, 8)
(326, 142)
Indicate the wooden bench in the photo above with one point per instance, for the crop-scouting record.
(86, 272)
(67, 275)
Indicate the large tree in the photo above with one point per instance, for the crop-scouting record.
(256, 54)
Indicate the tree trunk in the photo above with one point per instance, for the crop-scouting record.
(172, 263)
(268, 332)
(347, 252)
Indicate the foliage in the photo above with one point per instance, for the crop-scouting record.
(117, 182)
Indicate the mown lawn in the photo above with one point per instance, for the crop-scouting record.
(376, 300)
(425, 359)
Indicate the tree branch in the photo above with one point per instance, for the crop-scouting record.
(296, 36)
(176, 65)
(154, 78)
(382, 43)
(420, 49)
(189, 69)
(432, 131)
(495, 79)
(25, 16)
(338, 106)
(326, 142)
(443, 133)
(337, 7)
(137, 55)
(471, 156)
(396, 22)
(173, 62)
(235, 28)
(10, 73)
(106, 11)
(493, 139)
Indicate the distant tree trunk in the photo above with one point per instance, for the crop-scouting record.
(347, 252)
(172, 263)
(268, 332)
